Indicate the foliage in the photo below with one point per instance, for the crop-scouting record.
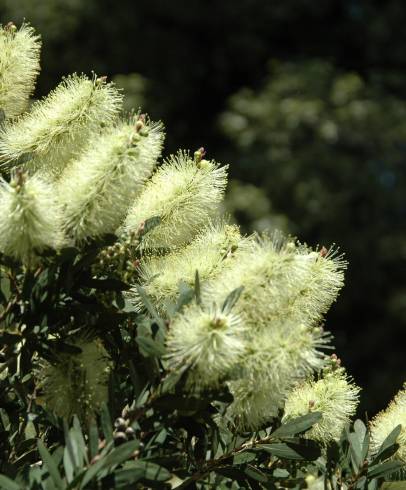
(144, 342)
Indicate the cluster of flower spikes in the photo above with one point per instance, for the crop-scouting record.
(76, 169)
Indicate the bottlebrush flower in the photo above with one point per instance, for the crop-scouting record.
(76, 383)
(275, 359)
(98, 187)
(208, 341)
(30, 218)
(19, 67)
(281, 281)
(384, 423)
(334, 396)
(184, 194)
(58, 126)
(213, 250)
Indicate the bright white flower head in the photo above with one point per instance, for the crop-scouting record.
(77, 383)
(99, 186)
(30, 218)
(208, 341)
(282, 281)
(334, 396)
(214, 249)
(19, 67)
(184, 194)
(274, 361)
(58, 126)
(384, 423)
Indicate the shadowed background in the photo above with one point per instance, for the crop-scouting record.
(307, 102)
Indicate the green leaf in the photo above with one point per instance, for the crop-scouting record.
(356, 450)
(198, 294)
(389, 446)
(186, 295)
(115, 457)
(5, 287)
(394, 485)
(256, 474)
(150, 347)
(150, 224)
(243, 457)
(121, 453)
(384, 469)
(307, 450)
(363, 437)
(232, 299)
(106, 423)
(280, 473)
(50, 465)
(7, 484)
(123, 478)
(297, 425)
(149, 306)
(93, 439)
(151, 471)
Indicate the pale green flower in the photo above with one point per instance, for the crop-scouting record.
(282, 282)
(19, 67)
(184, 194)
(254, 404)
(274, 361)
(99, 186)
(76, 383)
(30, 218)
(207, 341)
(334, 396)
(58, 126)
(213, 250)
(384, 423)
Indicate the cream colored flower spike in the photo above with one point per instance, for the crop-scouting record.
(30, 218)
(334, 396)
(384, 423)
(59, 125)
(19, 67)
(77, 383)
(99, 186)
(213, 250)
(184, 194)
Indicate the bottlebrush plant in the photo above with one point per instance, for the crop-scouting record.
(144, 342)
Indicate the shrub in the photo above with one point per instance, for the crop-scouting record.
(144, 342)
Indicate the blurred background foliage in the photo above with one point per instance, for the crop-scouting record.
(307, 101)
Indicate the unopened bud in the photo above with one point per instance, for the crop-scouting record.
(120, 422)
(139, 125)
(199, 154)
(130, 432)
(101, 80)
(323, 252)
(10, 26)
(120, 437)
